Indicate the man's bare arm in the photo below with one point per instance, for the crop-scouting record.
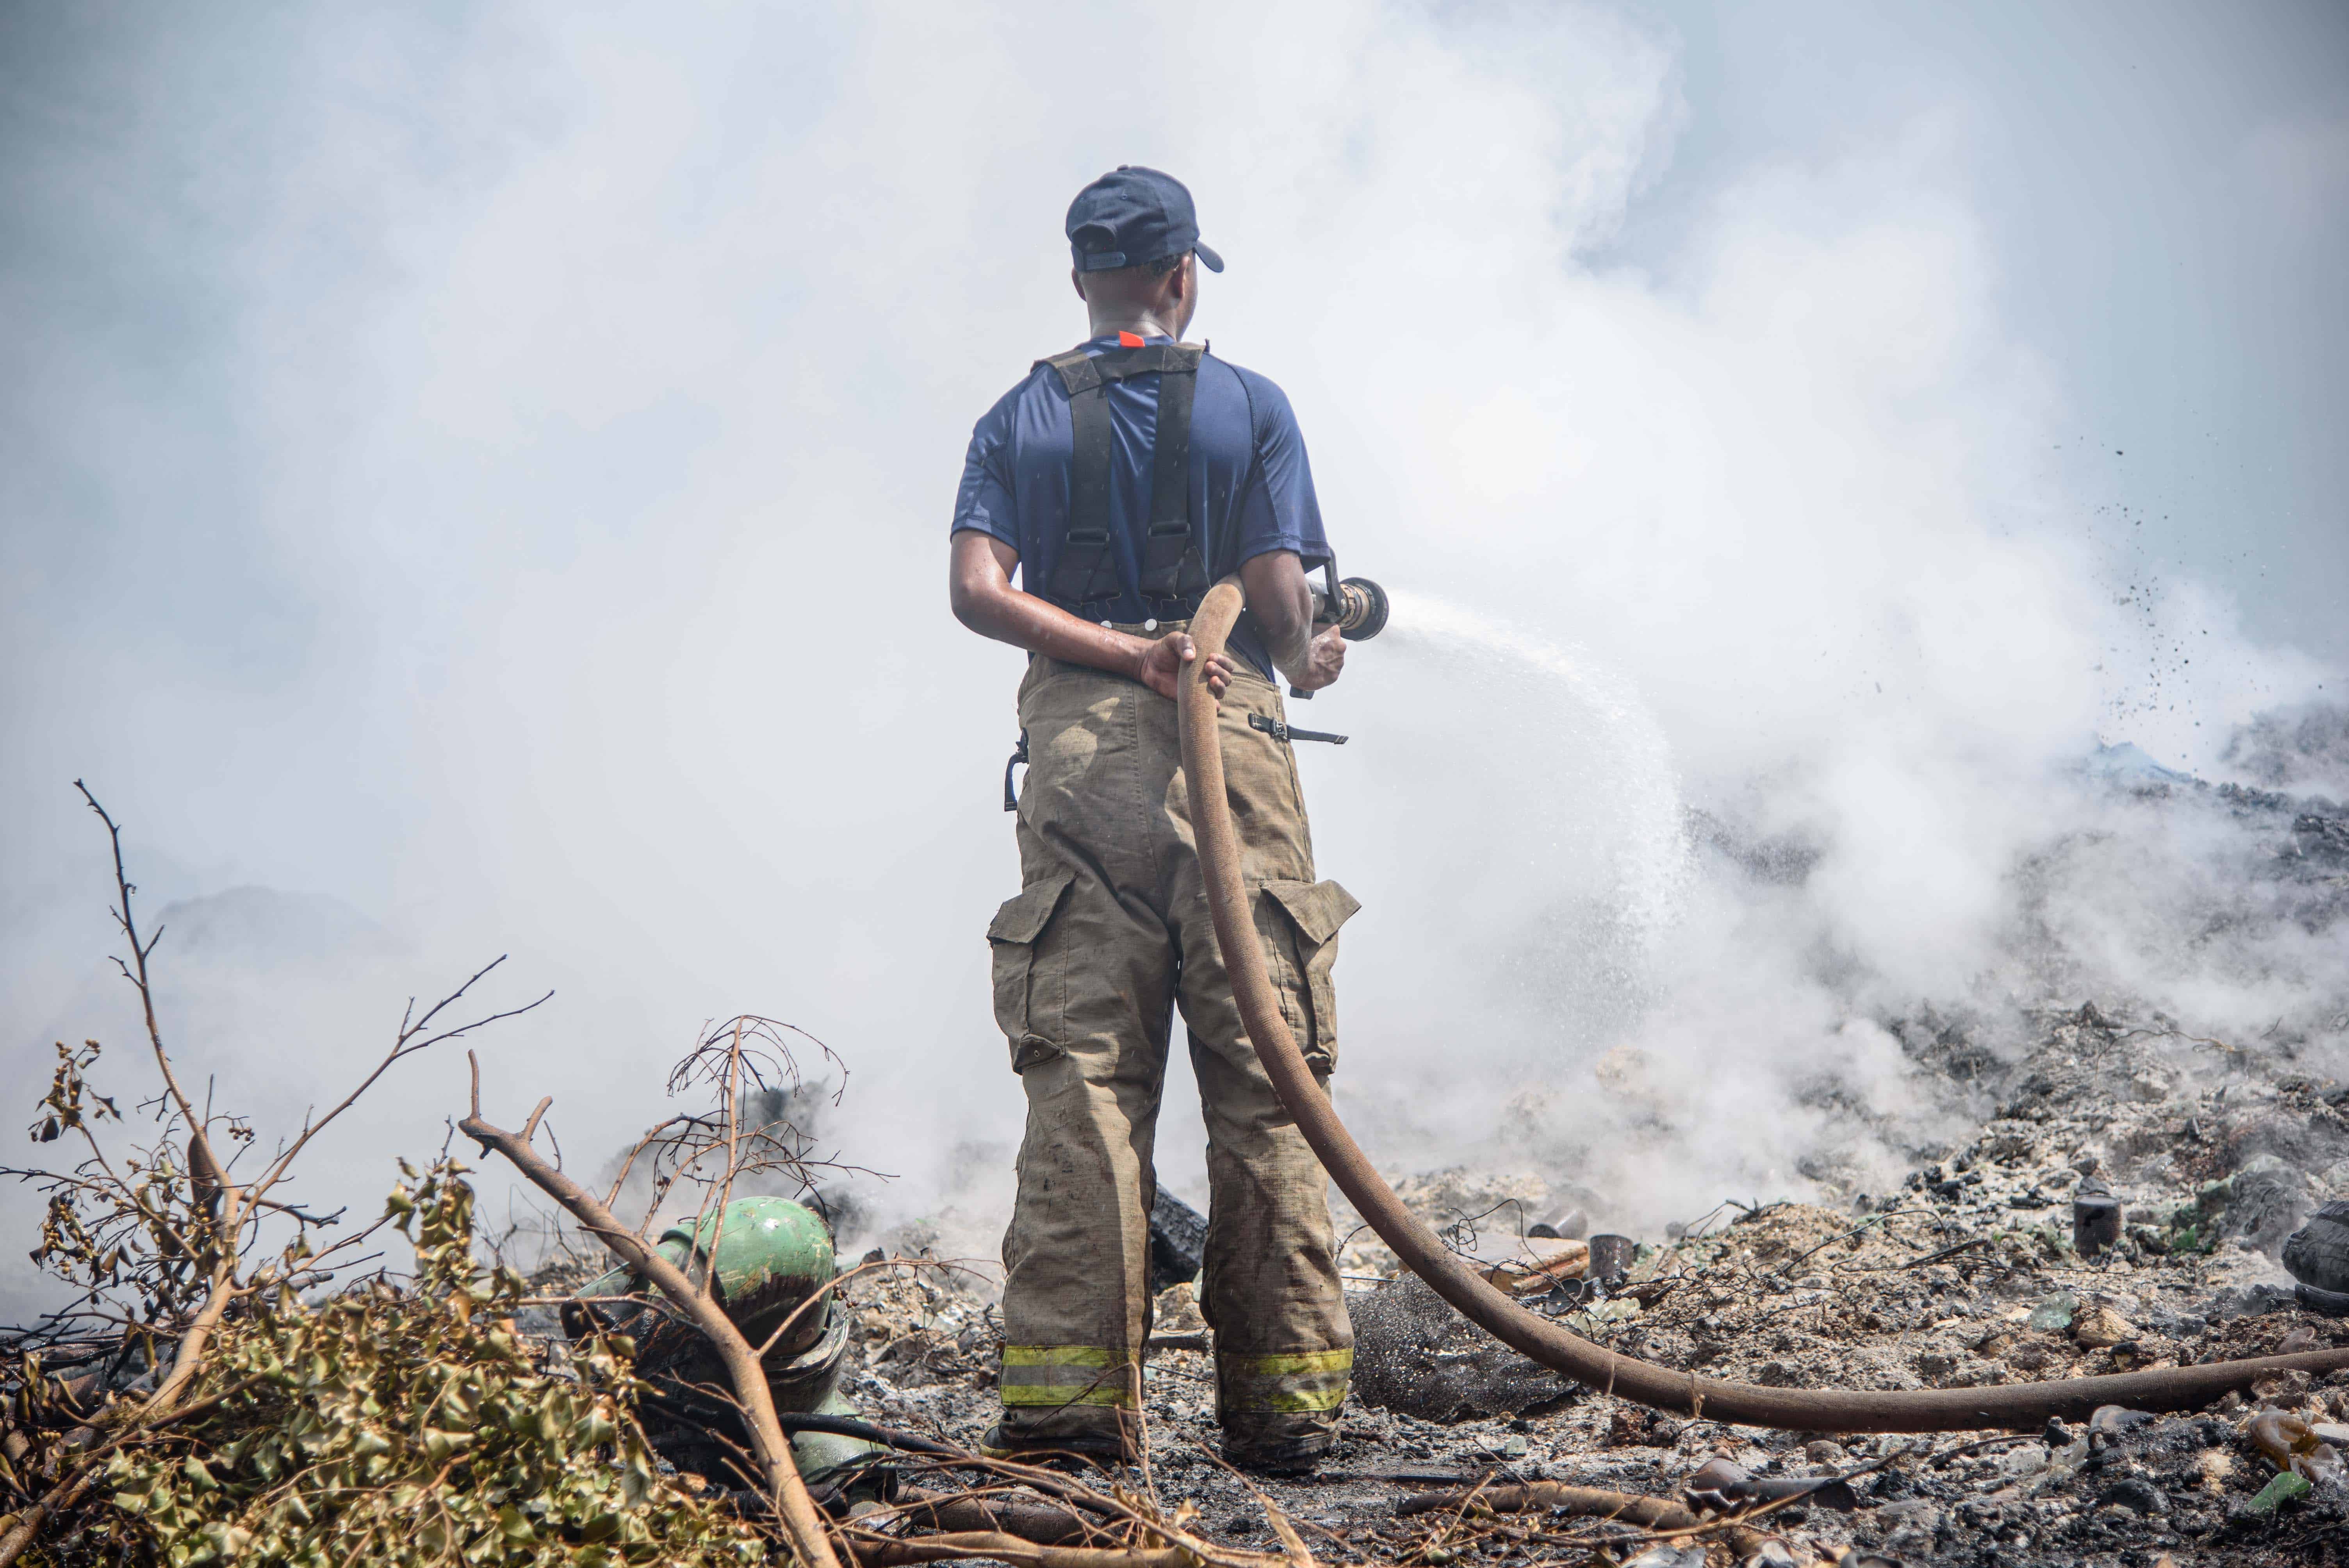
(979, 585)
(1282, 602)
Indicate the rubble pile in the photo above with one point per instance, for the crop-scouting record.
(926, 1341)
(2185, 1166)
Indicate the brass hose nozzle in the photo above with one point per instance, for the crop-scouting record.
(1359, 610)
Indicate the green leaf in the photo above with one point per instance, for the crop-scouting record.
(2287, 1487)
(227, 1541)
(440, 1444)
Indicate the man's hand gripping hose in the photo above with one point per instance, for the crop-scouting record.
(2014, 1405)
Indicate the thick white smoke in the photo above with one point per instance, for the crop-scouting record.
(494, 476)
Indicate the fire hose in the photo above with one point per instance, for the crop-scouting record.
(2012, 1406)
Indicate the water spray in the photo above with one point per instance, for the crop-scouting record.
(2013, 1407)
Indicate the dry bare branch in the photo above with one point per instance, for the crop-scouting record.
(787, 1492)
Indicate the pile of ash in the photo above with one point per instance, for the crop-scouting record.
(924, 1345)
(1968, 1274)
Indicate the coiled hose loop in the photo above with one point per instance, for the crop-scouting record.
(2013, 1406)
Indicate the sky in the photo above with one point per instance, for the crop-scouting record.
(2167, 189)
(473, 481)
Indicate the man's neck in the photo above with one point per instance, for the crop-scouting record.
(1145, 323)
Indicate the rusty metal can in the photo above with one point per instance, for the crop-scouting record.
(2096, 1219)
(1611, 1258)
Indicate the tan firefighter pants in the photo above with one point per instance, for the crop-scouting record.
(1108, 936)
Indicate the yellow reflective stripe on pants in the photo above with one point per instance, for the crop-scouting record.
(1300, 1380)
(1056, 1375)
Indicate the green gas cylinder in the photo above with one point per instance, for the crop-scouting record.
(770, 1253)
(768, 1256)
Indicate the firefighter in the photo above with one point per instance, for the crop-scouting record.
(1119, 481)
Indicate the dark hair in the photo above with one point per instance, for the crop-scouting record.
(1154, 269)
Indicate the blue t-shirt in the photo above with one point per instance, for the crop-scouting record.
(1251, 486)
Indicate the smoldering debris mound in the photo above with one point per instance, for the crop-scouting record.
(2305, 748)
(1478, 1211)
(1965, 1275)
(1414, 1353)
(2318, 1253)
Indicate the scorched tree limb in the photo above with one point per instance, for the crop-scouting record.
(802, 1521)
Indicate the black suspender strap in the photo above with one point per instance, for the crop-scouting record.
(1086, 574)
(1171, 565)
(1087, 569)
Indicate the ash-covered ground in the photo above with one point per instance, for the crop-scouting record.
(1966, 1275)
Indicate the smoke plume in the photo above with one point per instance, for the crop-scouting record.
(478, 484)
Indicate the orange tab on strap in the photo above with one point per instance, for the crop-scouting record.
(1129, 340)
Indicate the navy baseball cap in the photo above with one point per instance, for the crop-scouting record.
(1131, 216)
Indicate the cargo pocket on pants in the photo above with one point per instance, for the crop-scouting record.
(1315, 910)
(1018, 928)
